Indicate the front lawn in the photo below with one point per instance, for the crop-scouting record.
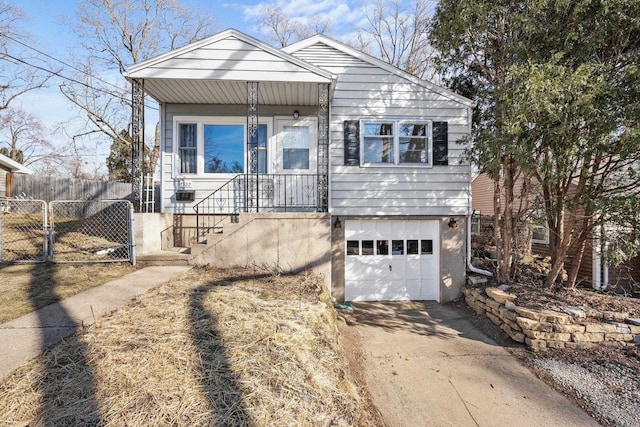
(28, 287)
(223, 348)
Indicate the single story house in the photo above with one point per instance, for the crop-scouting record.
(313, 156)
(593, 269)
(8, 167)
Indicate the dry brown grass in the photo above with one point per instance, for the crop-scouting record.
(27, 287)
(226, 348)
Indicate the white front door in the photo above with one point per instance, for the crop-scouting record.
(392, 260)
(296, 144)
(294, 163)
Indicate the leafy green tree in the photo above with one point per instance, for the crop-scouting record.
(119, 160)
(477, 42)
(556, 84)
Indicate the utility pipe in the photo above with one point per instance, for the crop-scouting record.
(469, 265)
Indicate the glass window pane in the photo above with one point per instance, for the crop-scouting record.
(188, 135)
(295, 158)
(407, 129)
(223, 148)
(295, 137)
(426, 247)
(187, 161)
(378, 150)
(413, 150)
(382, 247)
(295, 147)
(353, 247)
(260, 137)
(367, 247)
(188, 142)
(397, 247)
(378, 128)
(412, 247)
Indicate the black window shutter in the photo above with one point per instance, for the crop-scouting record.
(440, 143)
(351, 143)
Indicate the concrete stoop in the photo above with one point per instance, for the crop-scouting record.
(285, 241)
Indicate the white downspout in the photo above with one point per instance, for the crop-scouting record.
(470, 266)
(596, 266)
(605, 270)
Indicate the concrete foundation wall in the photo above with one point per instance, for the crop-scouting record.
(453, 269)
(152, 232)
(287, 242)
(452, 255)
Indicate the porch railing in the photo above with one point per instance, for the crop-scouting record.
(257, 193)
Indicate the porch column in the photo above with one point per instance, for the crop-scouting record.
(323, 147)
(137, 141)
(251, 185)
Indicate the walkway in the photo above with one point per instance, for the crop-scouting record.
(26, 337)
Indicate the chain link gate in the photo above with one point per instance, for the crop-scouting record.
(91, 231)
(23, 231)
(66, 231)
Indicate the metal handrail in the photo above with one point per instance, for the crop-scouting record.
(253, 193)
(207, 202)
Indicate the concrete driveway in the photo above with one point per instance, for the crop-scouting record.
(427, 365)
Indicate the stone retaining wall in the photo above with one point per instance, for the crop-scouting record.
(540, 329)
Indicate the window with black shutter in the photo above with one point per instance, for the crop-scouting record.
(440, 143)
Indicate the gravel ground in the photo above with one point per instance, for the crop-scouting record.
(603, 381)
(610, 389)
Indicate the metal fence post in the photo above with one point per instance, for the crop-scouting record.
(132, 253)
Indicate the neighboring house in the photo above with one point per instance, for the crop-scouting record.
(364, 150)
(7, 168)
(592, 269)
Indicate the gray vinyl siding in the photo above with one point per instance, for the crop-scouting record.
(227, 59)
(365, 91)
(3, 182)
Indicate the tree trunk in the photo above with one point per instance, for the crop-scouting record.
(576, 262)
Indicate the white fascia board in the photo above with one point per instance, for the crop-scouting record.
(131, 73)
(378, 63)
(14, 166)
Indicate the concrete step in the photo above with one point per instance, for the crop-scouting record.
(174, 256)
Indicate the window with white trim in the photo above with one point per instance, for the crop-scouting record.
(539, 228)
(217, 145)
(188, 147)
(396, 142)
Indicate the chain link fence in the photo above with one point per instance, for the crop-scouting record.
(95, 231)
(23, 230)
(66, 231)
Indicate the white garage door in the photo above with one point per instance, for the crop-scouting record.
(392, 260)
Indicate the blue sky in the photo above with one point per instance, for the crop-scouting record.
(45, 23)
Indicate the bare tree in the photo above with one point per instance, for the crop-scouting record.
(282, 29)
(17, 76)
(113, 35)
(399, 35)
(22, 138)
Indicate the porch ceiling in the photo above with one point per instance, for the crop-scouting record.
(189, 91)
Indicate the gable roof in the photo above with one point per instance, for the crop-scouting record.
(229, 55)
(320, 38)
(14, 166)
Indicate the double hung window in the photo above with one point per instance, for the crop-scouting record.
(396, 142)
(188, 147)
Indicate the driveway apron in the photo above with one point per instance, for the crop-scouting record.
(427, 365)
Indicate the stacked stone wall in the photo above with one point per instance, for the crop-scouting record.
(541, 329)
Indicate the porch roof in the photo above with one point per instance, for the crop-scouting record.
(215, 71)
